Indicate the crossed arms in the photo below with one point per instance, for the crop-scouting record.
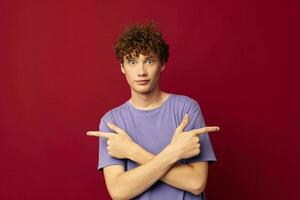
(163, 166)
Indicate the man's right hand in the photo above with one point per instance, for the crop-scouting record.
(187, 144)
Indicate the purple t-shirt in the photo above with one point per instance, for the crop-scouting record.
(153, 130)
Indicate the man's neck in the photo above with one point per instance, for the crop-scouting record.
(148, 101)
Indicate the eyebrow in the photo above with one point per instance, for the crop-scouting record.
(152, 57)
(135, 58)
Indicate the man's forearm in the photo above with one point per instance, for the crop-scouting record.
(176, 176)
(139, 179)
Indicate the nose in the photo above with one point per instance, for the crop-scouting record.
(142, 71)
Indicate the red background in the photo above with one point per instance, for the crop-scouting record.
(59, 75)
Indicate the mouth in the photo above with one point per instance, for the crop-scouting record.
(142, 82)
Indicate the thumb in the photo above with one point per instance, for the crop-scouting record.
(183, 124)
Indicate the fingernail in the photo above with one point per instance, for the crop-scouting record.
(109, 124)
(186, 115)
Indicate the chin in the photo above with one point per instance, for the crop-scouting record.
(142, 90)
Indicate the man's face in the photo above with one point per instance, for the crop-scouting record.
(142, 72)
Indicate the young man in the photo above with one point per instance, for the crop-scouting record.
(154, 146)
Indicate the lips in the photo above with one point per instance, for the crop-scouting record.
(142, 82)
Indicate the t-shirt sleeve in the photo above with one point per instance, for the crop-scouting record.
(104, 159)
(196, 120)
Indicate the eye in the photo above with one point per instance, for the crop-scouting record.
(149, 61)
(131, 62)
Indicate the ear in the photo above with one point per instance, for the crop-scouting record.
(122, 68)
(162, 68)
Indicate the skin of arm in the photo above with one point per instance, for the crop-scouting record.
(178, 174)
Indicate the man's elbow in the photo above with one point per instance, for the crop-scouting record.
(197, 192)
(198, 188)
(116, 195)
(116, 192)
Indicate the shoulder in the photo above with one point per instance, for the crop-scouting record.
(114, 112)
(185, 101)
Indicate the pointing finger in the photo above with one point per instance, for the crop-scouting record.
(99, 134)
(204, 130)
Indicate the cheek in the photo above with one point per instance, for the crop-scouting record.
(156, 73)
(130, 77)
